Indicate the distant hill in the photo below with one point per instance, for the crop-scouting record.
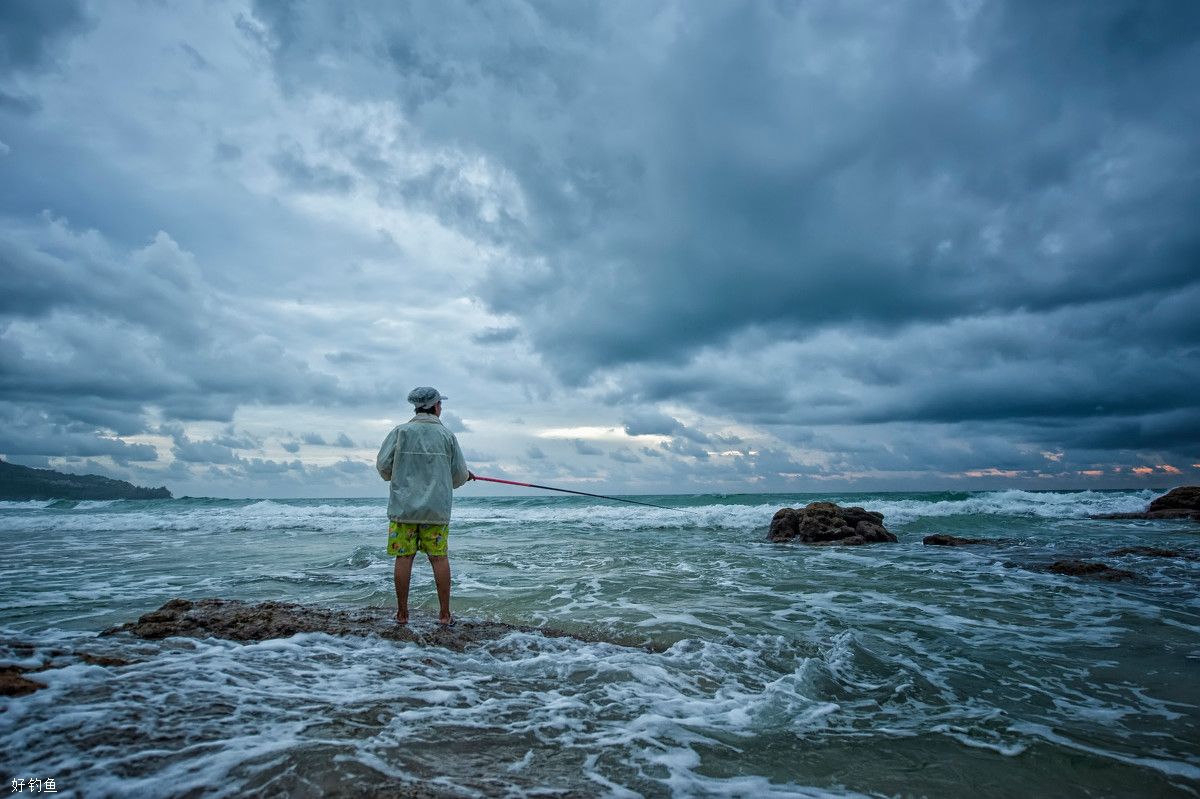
(23, 483)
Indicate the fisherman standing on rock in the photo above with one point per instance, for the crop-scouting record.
(424, 463)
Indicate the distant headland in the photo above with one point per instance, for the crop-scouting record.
(21, 483)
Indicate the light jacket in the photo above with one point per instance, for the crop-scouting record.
(424, 463)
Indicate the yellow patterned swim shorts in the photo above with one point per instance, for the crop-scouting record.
(405, 540)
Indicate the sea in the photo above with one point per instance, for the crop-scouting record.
(708, 661)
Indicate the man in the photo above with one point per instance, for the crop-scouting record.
(424, 463)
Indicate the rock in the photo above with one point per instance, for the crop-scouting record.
(1178, 503)
(943, 540)
(13, 683)
(1153, 552)
(244, 621)
(1182, 498)
(1081, 568)
(103, 660)
(825, 523)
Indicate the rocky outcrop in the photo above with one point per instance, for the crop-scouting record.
(244, 621)
(13, 682)
(826, 523)
(1178, 503)
(944, 540)
(1153, 552)
(1184, 498)
(23, 483)
(1081, 568)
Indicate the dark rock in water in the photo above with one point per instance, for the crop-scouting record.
(243, 621)
(14, 683)
(107, 661)
(1081, 568)
(1182, 498)
(943, 540)
(1178, 503)
(825, 523)
(1153, 552)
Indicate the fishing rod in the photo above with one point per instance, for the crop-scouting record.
(580, 493)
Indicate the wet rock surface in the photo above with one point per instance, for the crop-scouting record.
(236, 620)
(1182, 498)
(1082, 568)
(15, 679)
(826, 523)
(944, 540)
(1178, 503)
(1154, 552)
(13, 682)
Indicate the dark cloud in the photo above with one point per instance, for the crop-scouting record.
(223, 151)
(806, 168)
(305, 175)
(94, 336)
(682, 446)
(31, 31)
(496, 335)
(651, 422)
(584, 448)
(315, 439)
(17, 103)
(235, 439)
(33, 434)
(194, 58)
(216, 450)
(346, 357)
(842, 241)
(203, 452)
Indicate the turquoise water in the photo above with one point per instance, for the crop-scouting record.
(894, 670)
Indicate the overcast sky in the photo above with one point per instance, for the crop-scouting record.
(642, 246)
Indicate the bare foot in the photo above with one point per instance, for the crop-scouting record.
(446, 621)
(401, 618)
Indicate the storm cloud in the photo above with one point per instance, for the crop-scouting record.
(740, 244)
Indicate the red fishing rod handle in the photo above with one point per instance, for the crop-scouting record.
(506, 482)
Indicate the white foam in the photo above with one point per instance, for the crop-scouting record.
(608, 516)
(1172, 768)
(95, 504)
(773, 647)
(31, 504)
(583, 519)
(1039, 504)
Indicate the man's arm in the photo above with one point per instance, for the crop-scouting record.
(459, 474)
(383, 461)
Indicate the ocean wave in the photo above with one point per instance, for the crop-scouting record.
(704, 717)
(896, 509)
(29, 504)
(583, 517)
(1014, 502)
(94, 504)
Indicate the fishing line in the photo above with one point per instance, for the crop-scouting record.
(580, 493)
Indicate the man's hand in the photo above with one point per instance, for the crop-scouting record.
(470, 475)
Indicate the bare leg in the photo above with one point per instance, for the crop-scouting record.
(441, 578)
(403, 574)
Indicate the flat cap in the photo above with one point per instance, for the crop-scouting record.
(425, 397)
